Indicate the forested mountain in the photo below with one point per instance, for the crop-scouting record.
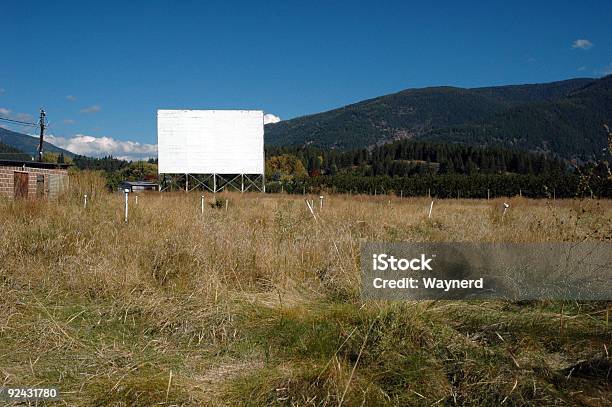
(11, 153)
(512, 95)
(564, 118)
(28, 144)
(571, 126)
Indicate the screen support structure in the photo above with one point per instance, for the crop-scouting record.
(212, 182)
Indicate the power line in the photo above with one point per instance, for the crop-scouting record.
(41, 122)
(19, 122)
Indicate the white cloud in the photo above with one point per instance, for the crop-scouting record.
(5, 113)
(71, 98)
(582, 44)
(91, 109)
(582, 68)
(68, 121)
(270, 118)
(102, 146)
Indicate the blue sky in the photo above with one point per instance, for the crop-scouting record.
(101, 69)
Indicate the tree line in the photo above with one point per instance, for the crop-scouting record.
(404, 168)
(443, 170)
(407, 158)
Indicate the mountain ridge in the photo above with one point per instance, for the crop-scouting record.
(477, 113)
(28, 144)
(564, 118)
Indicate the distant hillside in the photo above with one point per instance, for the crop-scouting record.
(571, 126)
(11, 153)
(563, 117)
(28, 144)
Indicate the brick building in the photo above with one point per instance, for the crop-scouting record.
(32, 180)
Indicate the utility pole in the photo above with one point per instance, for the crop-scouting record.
(42, 134)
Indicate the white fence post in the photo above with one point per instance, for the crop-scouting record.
(85, 202)
(127, 191)
(506, 206)
(311, 209)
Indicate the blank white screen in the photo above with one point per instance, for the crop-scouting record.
(210, 141)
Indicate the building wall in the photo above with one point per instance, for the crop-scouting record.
(7, 180)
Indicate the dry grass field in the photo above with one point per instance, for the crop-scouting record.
(259, 304)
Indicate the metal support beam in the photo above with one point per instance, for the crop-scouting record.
(220, 182)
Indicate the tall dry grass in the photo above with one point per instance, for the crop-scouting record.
(90, 183)
(259, 304)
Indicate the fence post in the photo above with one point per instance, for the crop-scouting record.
(506, 206)
(127, 191)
